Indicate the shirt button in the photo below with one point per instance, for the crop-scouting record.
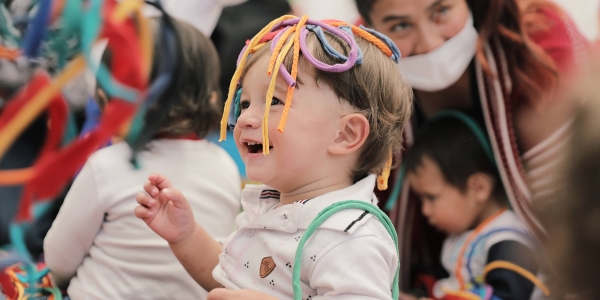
(250, 232)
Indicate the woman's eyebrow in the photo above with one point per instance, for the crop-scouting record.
(434, 5)
(390, 18)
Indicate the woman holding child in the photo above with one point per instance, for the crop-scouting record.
(497, 61)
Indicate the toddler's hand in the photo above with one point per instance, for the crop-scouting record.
(165, 209)
(224, 294)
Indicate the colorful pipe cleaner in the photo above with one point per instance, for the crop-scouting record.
(278, 32)
(126, 81)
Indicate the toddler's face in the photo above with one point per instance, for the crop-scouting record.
(299, 155)
(444, 205)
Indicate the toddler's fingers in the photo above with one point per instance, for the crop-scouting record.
(221, 294)
(159, 180)
(224, 294)
(142, 213)
(144, 200)
(175, 196)
(151, 188)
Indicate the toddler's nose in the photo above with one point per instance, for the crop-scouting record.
(249, 119)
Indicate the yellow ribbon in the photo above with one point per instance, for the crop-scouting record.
(501, 264)
(238, 72)
(38, 103)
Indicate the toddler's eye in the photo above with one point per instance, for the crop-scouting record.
(276, 101)
(244, 104)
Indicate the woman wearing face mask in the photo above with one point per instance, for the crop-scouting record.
(499, 61)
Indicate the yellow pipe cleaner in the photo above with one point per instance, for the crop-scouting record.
(501, 264)
(125, 8)
(14, 177)
(270, 92)
(277, 49)
(146, 41)
(238, 72)
(294, 74)
(382, 180)
(38, 103)
(257, 47)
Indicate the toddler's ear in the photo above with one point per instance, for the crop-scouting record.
(351, 135)
(481, 186)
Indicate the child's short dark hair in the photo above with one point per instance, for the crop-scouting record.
(453, 146)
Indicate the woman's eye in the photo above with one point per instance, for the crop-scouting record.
(244, 104)
(440, 12)
(276, 101)
(400, 27)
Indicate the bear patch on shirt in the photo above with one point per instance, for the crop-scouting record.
(267, 265)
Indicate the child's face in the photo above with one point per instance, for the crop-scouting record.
(299, 156)
(444, 205)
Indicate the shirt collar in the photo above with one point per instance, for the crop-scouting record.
(298, 215)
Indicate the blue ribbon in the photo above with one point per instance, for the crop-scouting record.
(318, 30)
(395, 51)
(37, 30)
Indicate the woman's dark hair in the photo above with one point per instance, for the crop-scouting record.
(453, 146)
(510, 22)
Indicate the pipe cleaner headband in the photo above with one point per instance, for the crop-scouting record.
(278, 32)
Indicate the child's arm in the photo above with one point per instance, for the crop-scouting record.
(73, 231)
(167, 212)
(508, 284)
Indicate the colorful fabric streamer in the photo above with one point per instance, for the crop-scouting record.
(126, 81)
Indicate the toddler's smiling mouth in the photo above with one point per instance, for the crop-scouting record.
(254, 147)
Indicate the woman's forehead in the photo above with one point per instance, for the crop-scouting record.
(383, 9)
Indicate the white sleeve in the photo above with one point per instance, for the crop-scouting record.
(73, 231)
(359, 268)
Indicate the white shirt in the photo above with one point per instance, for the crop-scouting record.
(350, 256)
(98, 244)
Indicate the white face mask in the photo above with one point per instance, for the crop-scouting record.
(440, 68)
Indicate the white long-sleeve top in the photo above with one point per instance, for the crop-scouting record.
(98, 244)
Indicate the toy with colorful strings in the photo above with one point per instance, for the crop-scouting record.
(287, 33)
(126, 80)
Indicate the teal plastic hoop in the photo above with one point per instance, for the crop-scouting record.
(324, 215)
